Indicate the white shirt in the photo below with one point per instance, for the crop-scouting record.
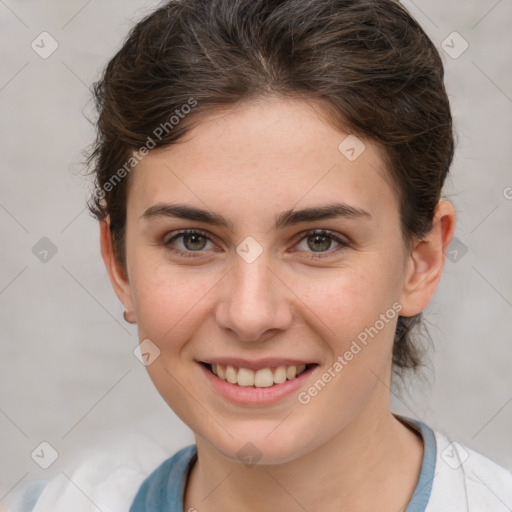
(453, 478)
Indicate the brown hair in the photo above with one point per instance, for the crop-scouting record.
(369, 63)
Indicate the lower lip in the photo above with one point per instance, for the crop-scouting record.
(248, 395)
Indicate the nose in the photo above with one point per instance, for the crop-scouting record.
(256, 303)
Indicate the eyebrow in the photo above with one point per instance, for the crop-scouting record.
(283, 219)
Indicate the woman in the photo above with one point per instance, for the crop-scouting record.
(269, 180)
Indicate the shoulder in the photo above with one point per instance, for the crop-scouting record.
(107, 479)
(465, 478)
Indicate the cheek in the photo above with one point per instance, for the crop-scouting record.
(349, 299)
(355, 311)
(168, 299)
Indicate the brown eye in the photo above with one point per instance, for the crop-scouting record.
(320, 242)
(191, 241)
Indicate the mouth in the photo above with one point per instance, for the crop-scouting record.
(258, 378)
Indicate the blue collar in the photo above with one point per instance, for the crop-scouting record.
(421, 494)
(163, 490)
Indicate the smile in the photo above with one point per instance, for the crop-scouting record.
(261, 378)
(262, 382)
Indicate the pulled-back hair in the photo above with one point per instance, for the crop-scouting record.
(369, 65)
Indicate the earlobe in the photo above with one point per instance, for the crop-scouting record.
(118, 278)
(426, 261)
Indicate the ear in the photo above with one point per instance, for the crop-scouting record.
(425, 263)
(117, 275)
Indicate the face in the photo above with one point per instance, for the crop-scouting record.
(267, 278)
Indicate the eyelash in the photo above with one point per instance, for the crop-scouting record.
(321, 232)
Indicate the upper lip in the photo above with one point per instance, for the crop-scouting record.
(268, 362)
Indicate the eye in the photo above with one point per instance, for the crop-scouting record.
(193, 240)
(320, 241)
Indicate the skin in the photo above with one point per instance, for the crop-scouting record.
(344, 450)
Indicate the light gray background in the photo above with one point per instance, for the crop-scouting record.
(69, 376)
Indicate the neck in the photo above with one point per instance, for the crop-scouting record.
(372, 464)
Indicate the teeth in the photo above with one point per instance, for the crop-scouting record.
(263, 378)
(245, 377)
(280, 375)
(231, 374)
(291, 372)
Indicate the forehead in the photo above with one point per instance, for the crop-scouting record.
(262, 157)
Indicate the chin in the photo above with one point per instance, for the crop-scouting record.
(255, 445)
